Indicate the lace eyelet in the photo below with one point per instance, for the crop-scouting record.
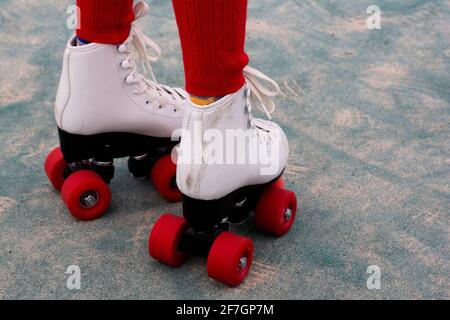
(122, 49)
(129, 80)
(147, 102)
(125, 64)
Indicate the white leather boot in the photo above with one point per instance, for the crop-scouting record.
(106, 109)
(101, 90)
(229, 164)
(209, 168)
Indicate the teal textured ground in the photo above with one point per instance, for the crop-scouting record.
(368, 117)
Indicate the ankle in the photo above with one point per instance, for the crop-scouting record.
(204, 101)
(82, 42)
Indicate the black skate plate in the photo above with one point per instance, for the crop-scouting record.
(205, 215)
(107, 146)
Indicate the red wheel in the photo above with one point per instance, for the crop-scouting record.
(54, 168)
(230, 258)
(164, 179)
(279, 183)
(275, 211)
(165, 238)
(86, 195)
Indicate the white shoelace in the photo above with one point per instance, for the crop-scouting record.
(136, 46)
(258, 95)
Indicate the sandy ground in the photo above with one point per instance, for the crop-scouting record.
(368, 117)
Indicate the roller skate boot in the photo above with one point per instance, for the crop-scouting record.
(106, 109)
(229, 165)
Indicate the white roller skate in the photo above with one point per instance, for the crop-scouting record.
(230, 164)
(106, 109)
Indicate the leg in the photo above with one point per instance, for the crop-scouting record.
(212, 35)
(105, 21)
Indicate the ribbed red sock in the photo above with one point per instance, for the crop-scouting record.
(105, 21)
(212, 34)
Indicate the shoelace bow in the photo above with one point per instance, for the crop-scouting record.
(259, 96)
(140, 43)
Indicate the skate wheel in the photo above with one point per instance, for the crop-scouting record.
(230, 258)
(86, 195)
(279, 183)
(54, 168)
(165, 238)
(275, 211)
(164, 179)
